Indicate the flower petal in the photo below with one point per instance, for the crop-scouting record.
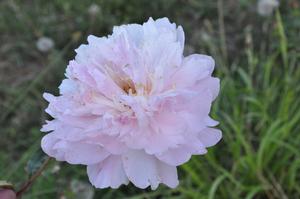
(194, 68)
(73, 152)
(144, 170)
(210, 136)
(181, 154)
(109, 173)
(168, 175)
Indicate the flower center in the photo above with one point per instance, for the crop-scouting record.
(129, 88)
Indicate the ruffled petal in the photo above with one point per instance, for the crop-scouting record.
(109, 173)
(141, 169)
(182, 154)
(194, 68)
(145, 170)
(73, 152)
(210, 136)
(168, 175)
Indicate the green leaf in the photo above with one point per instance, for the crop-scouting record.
(35, 162)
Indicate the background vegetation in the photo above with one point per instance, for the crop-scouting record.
(258, 107)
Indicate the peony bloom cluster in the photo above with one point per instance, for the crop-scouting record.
(132, 107)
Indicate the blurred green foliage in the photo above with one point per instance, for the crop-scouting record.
(258, 107)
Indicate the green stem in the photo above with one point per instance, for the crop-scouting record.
(30, 181)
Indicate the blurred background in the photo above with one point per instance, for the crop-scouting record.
(256, 45)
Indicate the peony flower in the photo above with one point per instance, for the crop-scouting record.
(44, 44)
(132, 107)
(266, 7)
(94, 9)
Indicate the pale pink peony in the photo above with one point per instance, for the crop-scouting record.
(132, 107)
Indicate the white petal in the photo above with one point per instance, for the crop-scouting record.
(164, 23)
(81, 153)
(180, 36)
(67, 86)
(144, 170)
(183, 153)
(212, 84)
(211, 122)
(149, 29)
(109, 173)
(72, 152)
(175, 156)
(168, 174)
(141, 169)
(194, 68)
(47, 143)
(210, 136)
